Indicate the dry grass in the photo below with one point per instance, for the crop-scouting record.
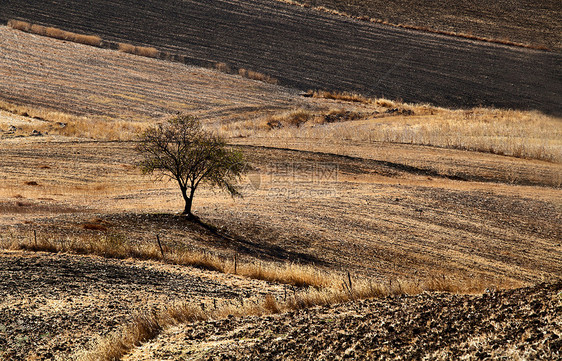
(148, 326)
(513, 133)
(93, 40)
(375, 103)
(148, 52)
(294, 118)
(521, 134)
(55, 33)
(19, 25)
(58, 123)
(223, 67)
(248, 74)
(345, 96)
(254, 75)
(88, 39)
(119, 247)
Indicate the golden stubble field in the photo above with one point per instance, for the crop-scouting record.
(377, 188)
(366, 215)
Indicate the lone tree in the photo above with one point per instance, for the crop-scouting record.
(182, 150)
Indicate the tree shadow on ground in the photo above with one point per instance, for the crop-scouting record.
(245, 246)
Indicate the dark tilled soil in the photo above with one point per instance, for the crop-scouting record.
(306, 49)
(523, 21)
(51, 305)
(518, 324)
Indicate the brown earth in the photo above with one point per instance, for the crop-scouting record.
(52, 305)
(518, 324)
(364, 214)
(528, 22)
(84, 80)
(308, 49)
(379, 210)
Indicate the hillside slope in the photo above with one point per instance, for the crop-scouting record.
(306, 49)
(522, 21)
(85, 80)
(53, 304)
(518, 324)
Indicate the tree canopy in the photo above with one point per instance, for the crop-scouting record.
(182, 150)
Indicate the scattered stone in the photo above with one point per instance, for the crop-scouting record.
(36, 133)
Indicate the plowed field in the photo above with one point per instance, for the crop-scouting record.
(306, 49)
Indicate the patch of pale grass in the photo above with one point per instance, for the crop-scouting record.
(139, 50)
(254, 75)
(506, 132)
(59, 123)
(521, 134)
(55, 33)
(296, 118)
(19, 25)
(344, 96)
(92, 40)
(223, 67)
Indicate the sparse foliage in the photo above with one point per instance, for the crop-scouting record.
(182, 150)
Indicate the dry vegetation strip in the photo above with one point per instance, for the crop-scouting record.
(286, 273)
(115, 247)
(139, 50)
(148, 326)
(55, 33)
(48, 121)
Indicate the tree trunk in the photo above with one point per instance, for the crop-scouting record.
(187, 209)
(188, 201)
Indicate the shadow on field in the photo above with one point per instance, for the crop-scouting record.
(182, 231)
(257, 250)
